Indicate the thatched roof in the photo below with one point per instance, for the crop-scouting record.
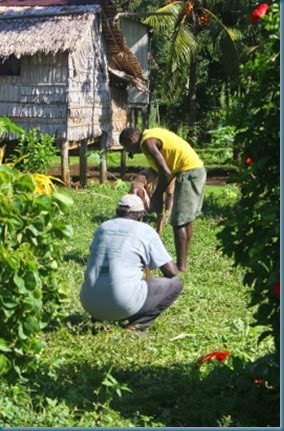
(120, 56)
(27, 30)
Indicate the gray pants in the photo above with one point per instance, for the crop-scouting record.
(162, 292)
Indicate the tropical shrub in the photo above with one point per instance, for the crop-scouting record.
(251, 233)
(34, 150)
(31, 295)
(39, 148)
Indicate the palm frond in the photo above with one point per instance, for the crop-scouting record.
(231, 34)
(183, 47)
(164, 18)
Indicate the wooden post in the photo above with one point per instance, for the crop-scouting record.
(123, 164)
(103, 166)
(83, 162)
(65, 168)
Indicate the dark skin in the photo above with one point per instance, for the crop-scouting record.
(169, 269)
(152, 147)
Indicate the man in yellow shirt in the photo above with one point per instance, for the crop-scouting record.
(172, 157)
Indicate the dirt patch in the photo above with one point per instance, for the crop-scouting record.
(93, 175)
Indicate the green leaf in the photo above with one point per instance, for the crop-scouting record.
(3, 346)
(31, 325)
(5, 365)
(62, 200)
(21, 334)
(6, 175)
(19, 282)
(25, 183)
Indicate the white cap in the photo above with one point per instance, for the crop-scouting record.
(131, 202)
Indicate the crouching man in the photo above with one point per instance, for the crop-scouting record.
(113, 287)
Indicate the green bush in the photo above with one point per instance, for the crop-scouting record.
(34, 151)
(223, 136)
(39, 149)
(31, 295)
(252, 232)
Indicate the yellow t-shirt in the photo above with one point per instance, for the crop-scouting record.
(178, 153)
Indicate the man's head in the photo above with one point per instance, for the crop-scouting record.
(130, 206)
(129, 138)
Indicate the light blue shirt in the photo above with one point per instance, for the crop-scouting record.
(113, 287)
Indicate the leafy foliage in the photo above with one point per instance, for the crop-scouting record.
(34, 150)
(31, 294)
(252, 232)
(7, 125)
(39, 148)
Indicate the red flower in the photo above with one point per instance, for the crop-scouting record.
(258, 12)
(248, 160)
(219, 356)
(276, 289)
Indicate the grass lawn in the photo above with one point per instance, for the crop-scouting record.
(214, 160)
(98, 375)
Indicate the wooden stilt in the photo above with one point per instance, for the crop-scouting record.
(65, 168)
(83, 162)
(103, 166)
(122, 164)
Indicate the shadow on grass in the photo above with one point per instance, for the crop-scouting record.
(212, 208)
(178, 396)
(76, 257)
(82, 323)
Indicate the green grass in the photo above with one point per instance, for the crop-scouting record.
(98, 375)
(214, 160)
(113, 160)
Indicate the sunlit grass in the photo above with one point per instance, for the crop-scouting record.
(167, 388)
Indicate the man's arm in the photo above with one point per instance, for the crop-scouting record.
(152, 147)
(169, 270)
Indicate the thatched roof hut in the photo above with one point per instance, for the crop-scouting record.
(65, 68)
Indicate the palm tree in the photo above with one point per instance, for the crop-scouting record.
(189, 26)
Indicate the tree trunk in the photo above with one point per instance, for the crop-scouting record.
(192, 102)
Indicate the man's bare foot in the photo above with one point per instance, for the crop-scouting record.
(181, 268)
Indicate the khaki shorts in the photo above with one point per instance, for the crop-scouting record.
(188, 196)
